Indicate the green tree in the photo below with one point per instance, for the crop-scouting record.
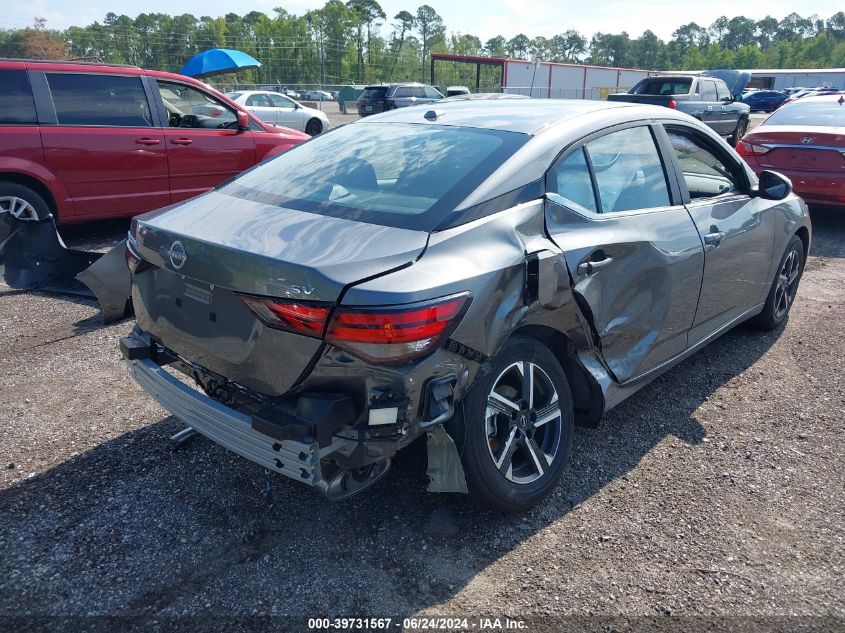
(430, 26)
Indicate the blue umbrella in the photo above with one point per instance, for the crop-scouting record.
(218, 61)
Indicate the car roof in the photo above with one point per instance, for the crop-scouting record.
(526, 116)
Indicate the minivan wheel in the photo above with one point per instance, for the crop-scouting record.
(784, 287)
(517, 428)
(22, 202)
(313, 127)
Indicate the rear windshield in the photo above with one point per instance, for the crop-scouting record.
(658, 86)
(395, 174)
(374, 93)
(827, 113)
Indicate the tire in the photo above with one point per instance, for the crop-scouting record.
(739, 132)
(313, 127)
(510, 461)
(22, 202)
(784, 287)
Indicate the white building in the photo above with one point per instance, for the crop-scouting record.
(780, 78)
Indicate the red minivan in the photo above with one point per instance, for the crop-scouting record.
(94, 141)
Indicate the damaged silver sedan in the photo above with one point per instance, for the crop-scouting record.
(489, 274)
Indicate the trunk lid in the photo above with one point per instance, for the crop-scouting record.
(208, 250)
(800, 148)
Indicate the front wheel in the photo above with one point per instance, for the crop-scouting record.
(517, 425)
(784, 287)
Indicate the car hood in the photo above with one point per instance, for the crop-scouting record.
(735, 79)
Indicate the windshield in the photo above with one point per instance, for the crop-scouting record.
(395, 174)
(827, 113)
(668, 86)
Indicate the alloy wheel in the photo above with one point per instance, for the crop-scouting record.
(787, 283)
(18, 208)
(524, 422)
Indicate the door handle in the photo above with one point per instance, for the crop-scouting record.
(589, 267)
(181, 141)
(714, 239)
(147, 141)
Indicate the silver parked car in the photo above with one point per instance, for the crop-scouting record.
(275, 108)
(488, 273)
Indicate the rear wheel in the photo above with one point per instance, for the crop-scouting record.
(739, 132)
(784, 287)
(313, 127)
(517, 426)
(22, 202)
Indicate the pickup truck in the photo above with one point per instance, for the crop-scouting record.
(713, 97)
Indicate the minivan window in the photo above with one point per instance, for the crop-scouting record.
(394, 174)
(16, 104)
(101, 100)
(189, 107)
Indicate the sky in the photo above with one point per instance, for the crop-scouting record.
(484, 18)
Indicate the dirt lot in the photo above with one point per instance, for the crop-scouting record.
(717, 491)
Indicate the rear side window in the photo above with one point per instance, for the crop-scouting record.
(572, 180)
(16, 104)
(402, 91)
(258, 100)
(102, 100)
(708, 90)
(628, 170)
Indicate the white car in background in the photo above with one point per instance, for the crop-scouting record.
(276, 108)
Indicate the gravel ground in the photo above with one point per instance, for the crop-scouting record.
(717, 491)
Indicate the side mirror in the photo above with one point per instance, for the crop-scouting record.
(243, 120)
(738, 97)
(774, 186)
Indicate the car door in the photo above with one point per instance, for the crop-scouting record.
(261, 107)
(205, 148)
(712, 109)
(737, 230)
(632, 250)
(728, 114)
(106, 145)
(288, 114)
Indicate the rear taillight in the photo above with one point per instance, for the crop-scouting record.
(395, 334)
(134, 262)
(746, 148)
(294, 316)
(672, 104)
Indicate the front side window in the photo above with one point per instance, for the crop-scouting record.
(706, 174)
(722, 91)
(189, 107)
(628, 171)
(431, 93)
(16, 104)
(101, 100)
(394, 174)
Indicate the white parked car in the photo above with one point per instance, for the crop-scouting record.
(275, 108)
